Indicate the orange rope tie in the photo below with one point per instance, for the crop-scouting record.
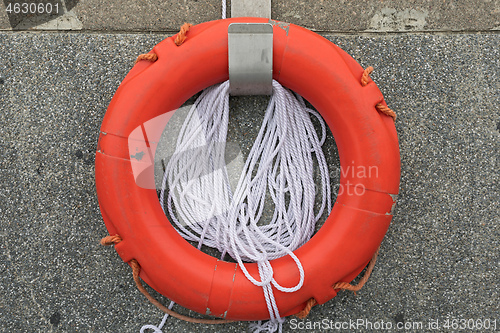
(385, 110)
(343, 286)
(110, 240)
(136, 270)
(152, 57)
(181, 36)
(305, 312)
(365, 79)
(364, 279)
(179, 39)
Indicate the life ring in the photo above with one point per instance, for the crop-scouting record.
(367, 140)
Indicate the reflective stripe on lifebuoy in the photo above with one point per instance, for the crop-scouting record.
(324, 75)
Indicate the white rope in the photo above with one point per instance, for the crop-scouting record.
(157, 329)
(280, 163)
(224, 9)
(279, 168)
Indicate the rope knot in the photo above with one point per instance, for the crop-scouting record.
(381, 107)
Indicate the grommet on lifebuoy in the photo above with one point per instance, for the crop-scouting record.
(366, 139)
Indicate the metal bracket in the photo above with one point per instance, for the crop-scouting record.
(250, 52)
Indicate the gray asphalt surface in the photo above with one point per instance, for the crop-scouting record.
(439, 260)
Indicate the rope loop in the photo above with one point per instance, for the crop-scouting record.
(381, 107)
(136, 270)
(179, 39)
(342, 286)
(365, 78)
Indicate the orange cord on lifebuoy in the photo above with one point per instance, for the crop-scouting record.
(110, 240)
(136, 269)
(365, 79)
(152, 57)
(179, 39)
(181, 36)
(343, 286)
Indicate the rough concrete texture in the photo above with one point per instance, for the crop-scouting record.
(4, 19)
(392, 15)
(439, 260)
(335, 16)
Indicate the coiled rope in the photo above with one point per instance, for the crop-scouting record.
(280, 165)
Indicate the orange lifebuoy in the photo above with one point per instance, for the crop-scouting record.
(324, 75)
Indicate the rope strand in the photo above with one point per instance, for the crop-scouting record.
(111, 240)
(385, 110)
(179, 39)
(136, 270)
(279, 165)
(364, 279)
(181, 36)
(151, 57)
(342, 286)
(365, 79)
